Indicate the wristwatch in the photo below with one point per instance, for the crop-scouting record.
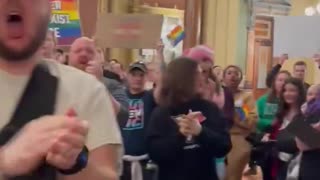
(81, 163)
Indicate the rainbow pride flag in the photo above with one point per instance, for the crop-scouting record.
(176, 35)
(65, 21)
(242, 112)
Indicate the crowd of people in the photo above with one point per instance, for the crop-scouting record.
(76, 115)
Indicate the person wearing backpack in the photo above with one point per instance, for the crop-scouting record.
(56, 122)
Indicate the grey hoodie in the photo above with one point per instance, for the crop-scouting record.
(117, 90)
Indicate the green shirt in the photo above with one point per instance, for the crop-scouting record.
(266, 112)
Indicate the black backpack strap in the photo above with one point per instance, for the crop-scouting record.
(38, 99)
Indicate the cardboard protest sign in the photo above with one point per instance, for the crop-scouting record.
(132, 31)
(65, 21)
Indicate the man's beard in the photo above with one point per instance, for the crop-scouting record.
(10, 54)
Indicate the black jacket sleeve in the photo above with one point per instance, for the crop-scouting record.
(286, 142)
(272, 74)
(164, 142)
(228, 108)
(214, 135)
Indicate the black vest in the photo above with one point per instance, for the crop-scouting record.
(38, 99)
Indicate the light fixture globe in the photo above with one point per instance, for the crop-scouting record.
(310, 11)
(318, 8)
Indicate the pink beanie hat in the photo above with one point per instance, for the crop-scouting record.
(199, 53)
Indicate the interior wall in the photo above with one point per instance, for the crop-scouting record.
(208, 24)
(242, 36)
(311, 69)
(313, 72)
(224, 29)
(121, 54)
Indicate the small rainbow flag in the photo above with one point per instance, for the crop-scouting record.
(176, 35)
(242, 112)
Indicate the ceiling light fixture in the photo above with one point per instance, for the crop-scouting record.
(310, 11)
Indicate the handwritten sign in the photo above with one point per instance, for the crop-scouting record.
(132, 31)
(65, 21)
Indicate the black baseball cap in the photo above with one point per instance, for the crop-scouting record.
(138, 66)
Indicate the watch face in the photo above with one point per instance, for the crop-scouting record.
(83, 159)
(81, 163)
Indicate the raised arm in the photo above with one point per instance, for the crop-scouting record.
(316, 58)
(159, 59)
(118, 97)
(275, 70)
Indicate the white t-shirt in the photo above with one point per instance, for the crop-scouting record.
(77, 90)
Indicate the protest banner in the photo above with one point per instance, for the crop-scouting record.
(65, 21)
(132, 31)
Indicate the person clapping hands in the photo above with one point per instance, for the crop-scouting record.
(189, 125)
(56, 140)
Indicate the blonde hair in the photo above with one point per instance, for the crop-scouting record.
(316, 87)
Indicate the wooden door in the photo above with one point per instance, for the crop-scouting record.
(263, 47)
(262, 64)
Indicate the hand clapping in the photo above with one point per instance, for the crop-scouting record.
(189, 124)
(57, 139)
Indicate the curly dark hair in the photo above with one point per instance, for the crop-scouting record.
(235, 67)
(283, 106)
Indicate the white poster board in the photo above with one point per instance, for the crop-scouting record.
(297, 36)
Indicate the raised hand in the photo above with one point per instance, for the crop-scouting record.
(95, 68)
(316, 59)
(160, 47)
(283, 59)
